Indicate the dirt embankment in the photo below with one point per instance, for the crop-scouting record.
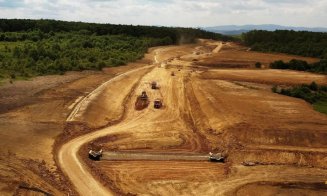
(33, 114)
(267, 76)
(205, 113)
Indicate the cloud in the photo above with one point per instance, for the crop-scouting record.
(172, 12)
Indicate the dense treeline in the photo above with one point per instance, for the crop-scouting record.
(319, 67)
(312, 93)
(37, 53)
(48, 26)
(302, 43)
(39, 47)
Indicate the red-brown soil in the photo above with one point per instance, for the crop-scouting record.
(225, 110)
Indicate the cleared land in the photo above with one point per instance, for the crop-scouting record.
(204, 109)
(237, 56)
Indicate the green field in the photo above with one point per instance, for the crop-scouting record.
(321, 106)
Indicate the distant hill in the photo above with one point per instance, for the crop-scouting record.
(236, 29)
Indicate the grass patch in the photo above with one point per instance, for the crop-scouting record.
(2, 82)
(321, 106)
(313, 93)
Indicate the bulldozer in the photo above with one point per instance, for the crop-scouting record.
(95, 154)
(216, 157)
(157, 104)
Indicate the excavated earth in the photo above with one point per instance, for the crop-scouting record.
(215, 102)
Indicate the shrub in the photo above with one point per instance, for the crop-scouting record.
(258, 65)
(311, 93)
(13, 76)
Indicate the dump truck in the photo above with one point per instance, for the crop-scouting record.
(95, 154)
(157, 104)
(216, 157)
(154, 85)
(142, 101)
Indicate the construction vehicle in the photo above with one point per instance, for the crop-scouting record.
(142, 101)
(172, 73)
(249, 163)
(154, 85)
(95, 154)
(144, 96)
(218, 157)
(157, 104)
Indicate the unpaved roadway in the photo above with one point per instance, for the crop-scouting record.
(199, 115)
(83, 181)
(133, 156)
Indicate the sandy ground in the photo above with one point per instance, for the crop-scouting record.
(202, 112)
(132, 156)
(267, 76)
(237, 56)
(33, 115)
(204, 109)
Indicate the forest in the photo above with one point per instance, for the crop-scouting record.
(48, 26)
(303, 43)
(299, 65)
(40, 47)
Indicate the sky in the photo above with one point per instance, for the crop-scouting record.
(185, 13)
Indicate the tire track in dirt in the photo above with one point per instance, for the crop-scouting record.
(68, 159)
(82, 105)
(134, 156)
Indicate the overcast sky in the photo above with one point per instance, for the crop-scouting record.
(191, 13)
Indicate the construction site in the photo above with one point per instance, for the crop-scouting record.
(195, 119)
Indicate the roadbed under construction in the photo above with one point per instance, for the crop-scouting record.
(153, 156)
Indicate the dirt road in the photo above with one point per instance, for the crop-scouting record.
(134, 156)
(200, 114)
(83, 181)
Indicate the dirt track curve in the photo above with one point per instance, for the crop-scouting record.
(198, 116)
(83, 181)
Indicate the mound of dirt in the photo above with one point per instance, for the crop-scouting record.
(141, 103)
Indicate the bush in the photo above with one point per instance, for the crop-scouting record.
(314, 86)
(258, 65)
(101, 65)
(319, 67)
(311, 93)
(278, 65)
(274, 89)
(13, 76)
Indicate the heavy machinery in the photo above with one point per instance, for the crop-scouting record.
(154, 85)
(218, 157)
(172, 73)
(95, 154)
(157, 104)
(142, 101)
(249, 163)
(144, 96)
